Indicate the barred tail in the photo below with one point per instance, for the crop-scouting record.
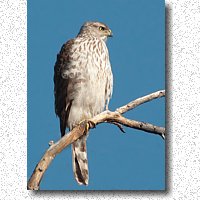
(79, 161)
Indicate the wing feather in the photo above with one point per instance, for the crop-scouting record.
(62, 85)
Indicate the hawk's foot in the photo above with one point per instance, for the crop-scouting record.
(91, 124)
(87, 124)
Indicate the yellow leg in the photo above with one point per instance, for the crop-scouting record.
(88, 124)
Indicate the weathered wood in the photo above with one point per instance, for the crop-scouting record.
(107, 116)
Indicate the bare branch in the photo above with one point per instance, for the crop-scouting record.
(54, 149)
(115, 117)
(119, 126)
(106, 116)
(140, 101)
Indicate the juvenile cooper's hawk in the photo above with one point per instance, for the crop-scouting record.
(83, 84)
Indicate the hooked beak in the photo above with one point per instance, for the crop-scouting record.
(110, 33)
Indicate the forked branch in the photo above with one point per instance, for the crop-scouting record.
(115, 118)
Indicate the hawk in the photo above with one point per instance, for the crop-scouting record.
(83, 84)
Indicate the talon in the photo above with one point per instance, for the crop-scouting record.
(91, 124)
(87, 124)
(87, 127)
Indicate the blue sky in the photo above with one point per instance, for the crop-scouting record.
(131, 161)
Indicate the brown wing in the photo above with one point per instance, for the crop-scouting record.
(62, 85)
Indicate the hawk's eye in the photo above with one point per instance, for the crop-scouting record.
(101, 28)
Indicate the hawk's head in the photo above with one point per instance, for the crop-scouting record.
(96, 29)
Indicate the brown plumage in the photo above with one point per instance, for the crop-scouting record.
(83, 84)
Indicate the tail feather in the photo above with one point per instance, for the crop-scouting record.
(79, 160)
